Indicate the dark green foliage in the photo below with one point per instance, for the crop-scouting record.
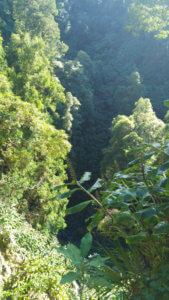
(42, 96)
(3, 63)
(120, 69)
(76, 76)
(6, 19)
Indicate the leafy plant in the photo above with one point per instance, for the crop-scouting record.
(87, 270)
(133, 215)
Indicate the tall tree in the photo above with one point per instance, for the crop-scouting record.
(36, 84)
(128, 133)
(38, 18)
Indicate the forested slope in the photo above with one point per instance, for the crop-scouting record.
(83, 85)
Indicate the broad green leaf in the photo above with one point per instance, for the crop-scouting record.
(66, 195)
(128, 195)
(116, 204)
(125, 218)
(77, 208)
(142, 193)
(97, 261)
(134, 239)
(137, 150)
(148, 155)
(146, 213)
(155, 145)
(85, 177)
(134, 162)
(98, 184)
(69, 277)
(123, 176)
(58, 187)
(162, 227)
(86, 244)
(72, 252)
(101, 281)
(164, 167)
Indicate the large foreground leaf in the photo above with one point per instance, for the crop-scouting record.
(77, 208)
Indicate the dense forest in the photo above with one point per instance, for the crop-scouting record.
(84, 149)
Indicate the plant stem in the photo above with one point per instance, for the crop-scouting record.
(95, 199)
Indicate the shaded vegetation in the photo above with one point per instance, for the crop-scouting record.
(82, 86)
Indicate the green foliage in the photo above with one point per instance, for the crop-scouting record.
(150, 16)
(77, 208)
(38, 18)
(107, 69)
(87, 270)
(6, 20)
(3, 64)
(27, 271)
(127, 93)
(32, 161)
(129, 133)
(134, 218)
(36, 84)
(76, 77)
(133, 215)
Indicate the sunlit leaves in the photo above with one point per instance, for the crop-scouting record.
(33, 154)
(38, 18)
(129, 136)
(37, 84)
(150, 16)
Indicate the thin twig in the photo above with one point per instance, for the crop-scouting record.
(94, 198)
(36, 185)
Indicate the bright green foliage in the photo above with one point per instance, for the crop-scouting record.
(150, 16)
(32, 161)
(31, 73)
(69, 110)
(38, 18)
(26, 270)
(128, 133)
